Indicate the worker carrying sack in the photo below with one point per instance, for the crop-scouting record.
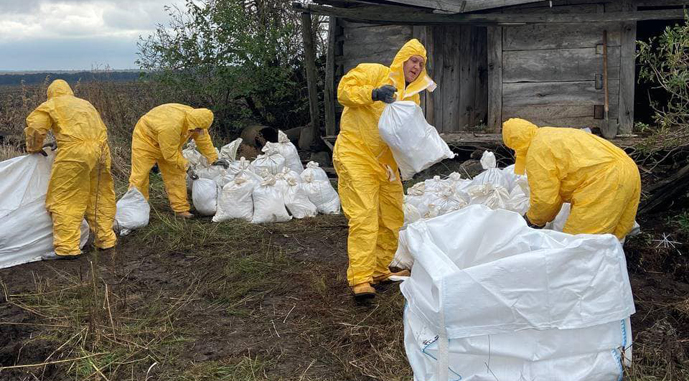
(133, 212)
(415, 144)
(204, 195)
(26, 228)
(544, 305)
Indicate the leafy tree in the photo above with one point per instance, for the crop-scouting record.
(665, 64)
(241, 58)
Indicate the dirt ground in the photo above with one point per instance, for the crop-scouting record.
(195, 300)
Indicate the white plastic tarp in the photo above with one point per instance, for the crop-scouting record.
(26, 229)
(527, 287)
(415, 144)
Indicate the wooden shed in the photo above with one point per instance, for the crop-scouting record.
(497, 59)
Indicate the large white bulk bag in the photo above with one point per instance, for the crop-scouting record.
(236, 200)
(544, 304)
(415, 144)
(26, 228)
(289, 152)
(271, 162)
(133, 212)
(269, 203)
(204, 195)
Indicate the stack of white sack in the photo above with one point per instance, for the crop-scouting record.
(544, 304)
(26, 228)
(495, 188)
(304, 193)
(269, 202)
(415, 144)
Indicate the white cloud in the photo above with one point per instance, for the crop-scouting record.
(37, 24)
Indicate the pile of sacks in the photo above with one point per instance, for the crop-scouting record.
(275, 187)
(495, 188)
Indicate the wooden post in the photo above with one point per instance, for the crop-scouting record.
(494, 79)
(627, 72)
(329, 98)
(311, 80)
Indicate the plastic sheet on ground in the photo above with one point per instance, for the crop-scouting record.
(26, 228)
(510, 270)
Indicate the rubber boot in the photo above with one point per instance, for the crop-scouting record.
(186, 215)
(363, 291)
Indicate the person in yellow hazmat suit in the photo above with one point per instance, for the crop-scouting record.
(369, 183)
(158, 138)
(600, 180)
(80, 180)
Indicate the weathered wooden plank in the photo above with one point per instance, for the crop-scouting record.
(439, 39)
(381, 14)
(477, 5)
(556, 93)
(627, 73)
(377, 33)
(558, 115)
(557, 9)
(431, 69)
(466, 80)
(329, 84)
(494, 123)
(480, 59)
(419, 33)
(311, 77)
(558, 65)
(455, 63)
(450, 6)
(552, 36)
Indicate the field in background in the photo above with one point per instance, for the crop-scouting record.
(194, 300)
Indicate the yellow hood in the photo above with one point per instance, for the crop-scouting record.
(59, 88)
(423, 81)
(199, 118)
(517, 135)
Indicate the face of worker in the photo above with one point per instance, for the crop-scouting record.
(412, 68)
(198, 131)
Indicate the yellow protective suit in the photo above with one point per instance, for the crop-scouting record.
(158, 138)
(369, 183)
(570, 165)
(80, 181)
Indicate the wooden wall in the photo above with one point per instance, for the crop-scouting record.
(552, 74)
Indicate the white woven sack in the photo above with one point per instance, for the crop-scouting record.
(289, 152)
(236, 200)
(269, 203)
(133, 212)
(270, 162)
(415, 144)
(204, 195)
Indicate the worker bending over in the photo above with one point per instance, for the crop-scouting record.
(570, 165)
(158, 138)
(369, 182)
(80, 181)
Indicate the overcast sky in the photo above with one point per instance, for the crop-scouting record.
(75, 34)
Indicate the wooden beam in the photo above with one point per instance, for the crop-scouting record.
(627, 72)
(478, 5)
(449, 6)
(494, 122)
(311, 78)
(329, 85)
(382, 15)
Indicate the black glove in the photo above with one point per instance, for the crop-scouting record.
(51, 145)
(384, 93)
(530, 224)
(192, 174)
(222, 162)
